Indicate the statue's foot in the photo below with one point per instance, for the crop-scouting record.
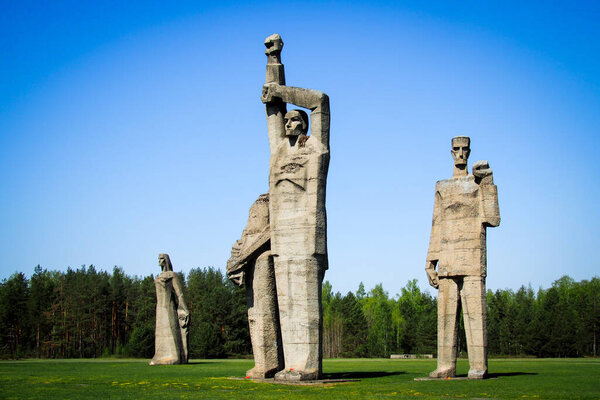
(164, 361)
(442, 373)
(257, 373)
(296, 375)
(477, 373)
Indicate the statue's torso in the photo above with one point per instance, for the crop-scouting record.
(297, 199)
(164, 289)
(460, 226)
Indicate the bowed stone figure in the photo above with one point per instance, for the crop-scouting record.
(172, 317)
(465, 206)
(251, 264)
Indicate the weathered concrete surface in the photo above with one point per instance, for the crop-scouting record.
(251, 264)
(172, 317)
(464, 207)
(297, 182)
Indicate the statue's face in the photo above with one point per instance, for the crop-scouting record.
(258, 217)
(460, 152)
(294, 124)
(162, 261)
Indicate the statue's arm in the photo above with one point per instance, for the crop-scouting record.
(489, 193)
(182, 310)
(434, 244)
(317, 102)
(275, 110)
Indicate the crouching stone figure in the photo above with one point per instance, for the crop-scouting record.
(251, 264)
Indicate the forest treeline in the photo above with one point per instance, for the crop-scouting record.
(88, 313)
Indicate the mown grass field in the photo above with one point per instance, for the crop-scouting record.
(379, 378)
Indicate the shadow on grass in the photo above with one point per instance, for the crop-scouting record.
(501, 374)
(359, 375)
(493, 375)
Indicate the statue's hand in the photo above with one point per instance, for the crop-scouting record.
(481, 169)
(270, 92)
(184, 319)
(238, 277)
(274, 44)
(432, 276)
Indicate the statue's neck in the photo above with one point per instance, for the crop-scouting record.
(274, 59)
(460, 171)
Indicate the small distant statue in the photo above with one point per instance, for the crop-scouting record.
(464, 207)
(251, 264)
(297, 183)
(172, 317)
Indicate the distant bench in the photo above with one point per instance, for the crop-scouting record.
(411, 356)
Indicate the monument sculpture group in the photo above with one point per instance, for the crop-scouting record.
(465, 205)
(281, 257)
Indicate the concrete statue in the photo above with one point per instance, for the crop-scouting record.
(251, 264)
(172, 317)
(297, 218)
(465, 205)
(297, 182)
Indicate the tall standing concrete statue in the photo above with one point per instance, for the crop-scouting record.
(297, 222)
(297, 182)
(465, 205)
(251, 264)
(172, 317)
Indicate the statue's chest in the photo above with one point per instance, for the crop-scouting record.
(292, 165)
(459, 198)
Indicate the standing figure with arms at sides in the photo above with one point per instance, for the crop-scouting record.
(172, 317)
(465, 205)
(297, 182)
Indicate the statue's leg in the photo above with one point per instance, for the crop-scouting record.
(299, 296)
(448, 302)
(263, 318)
(475, 315)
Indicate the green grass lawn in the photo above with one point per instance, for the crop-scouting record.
(379, 378)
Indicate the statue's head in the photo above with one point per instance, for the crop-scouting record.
(258, 217)
(296, 123)
(461, 147)
(274, 44)
(165, 262)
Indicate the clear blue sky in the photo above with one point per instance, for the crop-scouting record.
(133, 128)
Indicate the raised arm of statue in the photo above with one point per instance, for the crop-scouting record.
(490, 211)
(317, 102)
(275, 74)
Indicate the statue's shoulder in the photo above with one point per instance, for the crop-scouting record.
(442, 183)
(463, 184)
(316, 144)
